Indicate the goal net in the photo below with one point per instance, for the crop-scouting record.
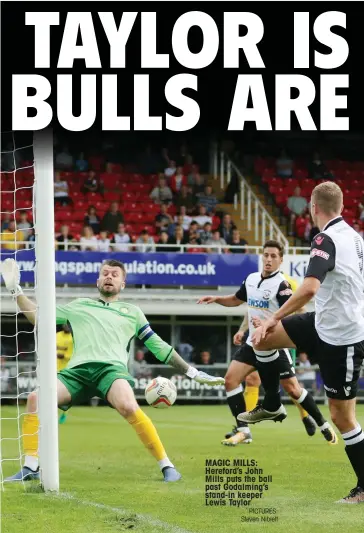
(28, 353)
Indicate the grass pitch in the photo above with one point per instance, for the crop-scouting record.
(109, 483)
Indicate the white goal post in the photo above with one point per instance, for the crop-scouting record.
(45, 291)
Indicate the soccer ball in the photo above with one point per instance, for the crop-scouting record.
(161, 393)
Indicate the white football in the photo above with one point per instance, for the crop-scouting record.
(161, 393)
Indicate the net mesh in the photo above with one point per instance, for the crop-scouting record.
(18, 340)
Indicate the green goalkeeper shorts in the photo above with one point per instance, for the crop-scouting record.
(91, 379)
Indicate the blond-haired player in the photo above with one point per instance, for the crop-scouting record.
(333, 334)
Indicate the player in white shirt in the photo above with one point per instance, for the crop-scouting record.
(333, 335)
(265, 292)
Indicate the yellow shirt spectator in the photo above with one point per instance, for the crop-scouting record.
(10, 238)
(64, 347)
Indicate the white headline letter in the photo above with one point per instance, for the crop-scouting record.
(285, 105)
(240, 113)
(117, 37)
(338, 45)
(21, 102)
(330, 101)
(42, 21)
(301, 33)
(233, 42)
(88, 102)
(88, 50)
(190, 108)
(110, 119)
(210, 45)
(150, 58)
(142, 119)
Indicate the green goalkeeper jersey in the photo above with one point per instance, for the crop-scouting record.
(102, 332)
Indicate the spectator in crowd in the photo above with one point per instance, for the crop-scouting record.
(91, 219)
(88, 240)
(64, 239)
(236, 240)
(361, 208)
(93, 183)
(161, 193)
(226, 228)
(206, 233)
(103, 243)
(198, 187)
(11, 237)
(284, 165)
(112, 218)
(145, 242)
(5, 221)
(317, 169)
(358, 229)
(306, 377)
(179, 222)
(163, 239)
(179, 239)
(178, 180)
(204, 358)
(192, 173)
(60, 188)
(217, 244)
(185, 199)
(297, 205)
(185, 350)
(23, 224)
(186, 219)
(194, 228)
(30, 239)
(202, 216)
(163, 219)
(64, 160)
(121, 240)
(208, 200)
(141, 369)
(310, 230)
(81, 163)
(171, 169)
(193, 244)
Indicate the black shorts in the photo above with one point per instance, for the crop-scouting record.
(246, 355)
(339, 365)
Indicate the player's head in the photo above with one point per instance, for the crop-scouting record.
(326, 202)
(272, 257)
(111, 278)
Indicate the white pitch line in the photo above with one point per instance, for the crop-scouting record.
(122, 512)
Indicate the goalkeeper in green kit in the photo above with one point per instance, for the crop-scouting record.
(102, 330)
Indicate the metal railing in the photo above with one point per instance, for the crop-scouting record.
(251, 208)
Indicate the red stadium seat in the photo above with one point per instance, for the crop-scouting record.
(111, 181)
(110, 197)
(93, 197)
(78, 216)
(63, 215)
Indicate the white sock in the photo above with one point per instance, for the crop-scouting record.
(244, 429)
(324, 426)
(165, 462)
(31, 462)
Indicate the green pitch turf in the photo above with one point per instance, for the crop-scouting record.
(109, 483)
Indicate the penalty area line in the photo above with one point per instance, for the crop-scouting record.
(121, 512)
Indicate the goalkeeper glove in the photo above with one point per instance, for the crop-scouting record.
(203, 378)
(11, 276)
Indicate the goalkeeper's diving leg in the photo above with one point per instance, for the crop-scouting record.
(121, 397)
(30, 434)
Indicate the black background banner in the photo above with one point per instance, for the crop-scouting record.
(216, 85)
